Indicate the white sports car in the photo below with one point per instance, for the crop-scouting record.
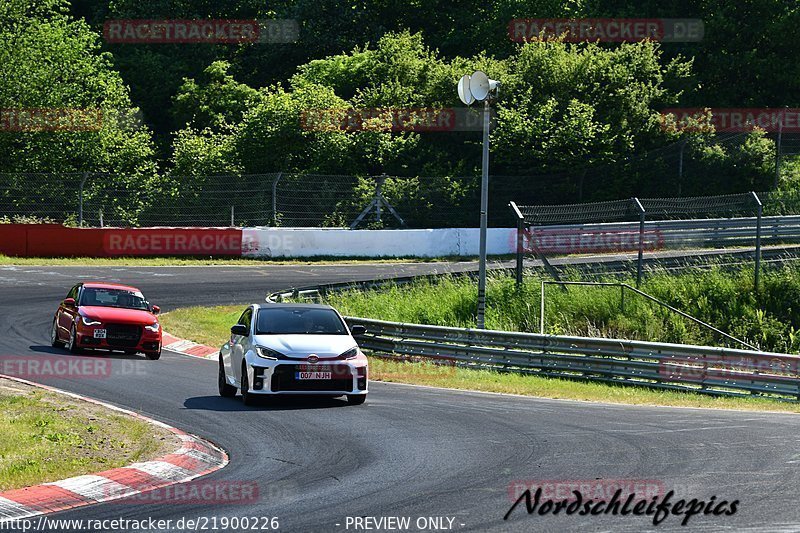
(278, 349)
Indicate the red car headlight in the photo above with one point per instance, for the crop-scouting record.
(154, 327)
(90, 321)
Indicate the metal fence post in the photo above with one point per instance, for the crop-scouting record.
(275, 199)
(641, 241)
(680, 169)
(760, 209)
(80, 199)
(232, 225)
(379, 196)
(778, 151)
(541, 310)
(520, 243)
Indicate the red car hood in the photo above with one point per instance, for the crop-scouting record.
(118, 315)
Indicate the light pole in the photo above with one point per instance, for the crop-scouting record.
(480, 88)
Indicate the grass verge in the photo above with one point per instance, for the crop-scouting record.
(211, 326)
(46, 436)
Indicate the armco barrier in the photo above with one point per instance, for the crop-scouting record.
(333, 242)
(54, 240)
(703, 369)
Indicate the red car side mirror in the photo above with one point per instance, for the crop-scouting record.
(156, 309)
(69, 302)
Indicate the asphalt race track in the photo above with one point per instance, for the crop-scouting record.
(409, 451)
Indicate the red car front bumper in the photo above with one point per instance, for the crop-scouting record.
(124, 337)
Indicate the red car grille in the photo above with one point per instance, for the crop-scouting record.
(123, 335)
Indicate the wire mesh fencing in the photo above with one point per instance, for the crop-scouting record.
(314, 200)
(269, 199)
(650, 224)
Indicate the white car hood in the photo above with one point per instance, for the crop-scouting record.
(301, 346)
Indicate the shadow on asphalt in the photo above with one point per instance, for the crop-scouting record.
(218, 403)
(88, 353)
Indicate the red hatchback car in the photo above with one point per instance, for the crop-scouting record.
(107, 316)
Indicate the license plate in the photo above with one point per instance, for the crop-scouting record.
(99, 334)
(312, 375)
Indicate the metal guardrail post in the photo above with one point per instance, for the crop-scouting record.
(760, 209)
(520, 243)
(640, 261)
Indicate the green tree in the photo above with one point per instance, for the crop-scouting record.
(53, 62)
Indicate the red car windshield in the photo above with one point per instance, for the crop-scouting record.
(113, 298)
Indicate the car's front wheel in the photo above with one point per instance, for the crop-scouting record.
(226, 390)
(72, 345)
(356, 399)
(55, 342)
(153, 356)
(247, 398)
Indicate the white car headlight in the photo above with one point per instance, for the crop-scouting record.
(268, 353)
(90, 321)
(152, 327)
(352, 353)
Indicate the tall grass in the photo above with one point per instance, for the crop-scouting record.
(722, 298)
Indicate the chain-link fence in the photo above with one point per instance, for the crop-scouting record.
(273, 199)
(650, 224)
(314, 200)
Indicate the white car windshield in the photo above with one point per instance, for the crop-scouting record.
(298, 320)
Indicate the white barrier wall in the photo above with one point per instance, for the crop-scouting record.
(311, 242)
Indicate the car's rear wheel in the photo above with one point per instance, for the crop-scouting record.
(54, 340)
(225, 389)
(356, 399)
(247, 398)
(153, 356)
(72, 345)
